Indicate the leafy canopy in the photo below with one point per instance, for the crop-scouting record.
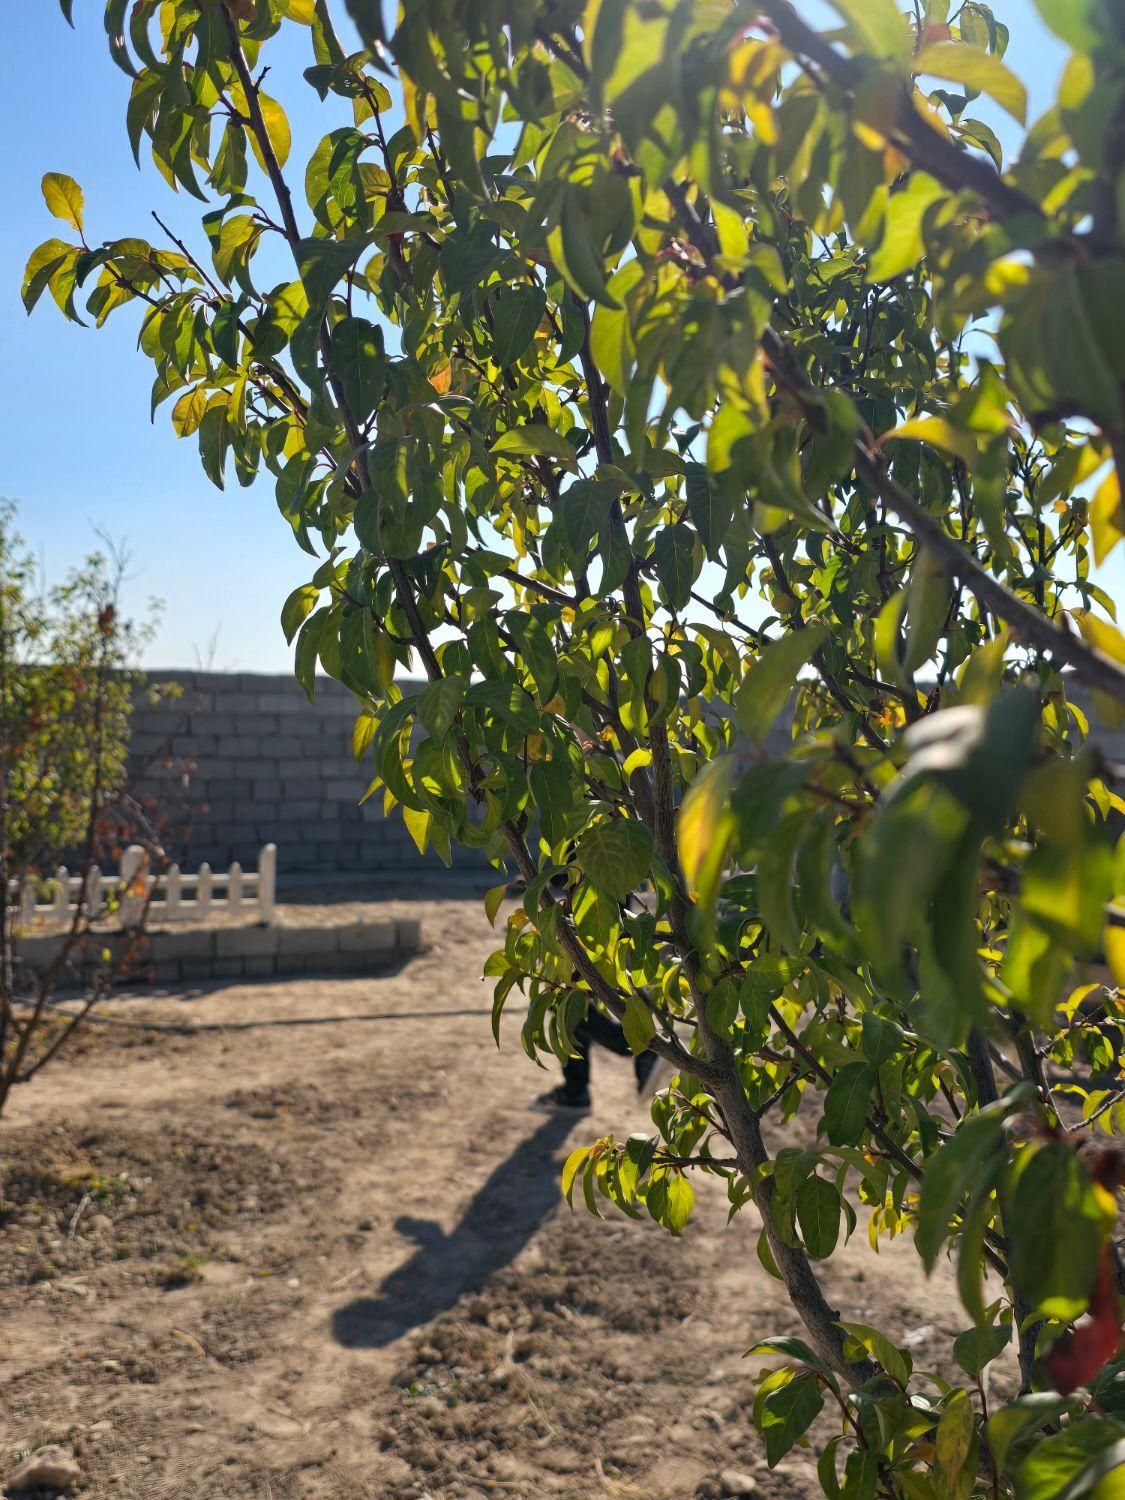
(637, 366)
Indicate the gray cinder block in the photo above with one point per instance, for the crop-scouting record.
(245, 942)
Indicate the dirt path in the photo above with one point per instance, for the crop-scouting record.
(320, 1253)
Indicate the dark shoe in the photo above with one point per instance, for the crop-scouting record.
(557, 1100)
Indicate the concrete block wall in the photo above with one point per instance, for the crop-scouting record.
(268, 766)
(185, 955)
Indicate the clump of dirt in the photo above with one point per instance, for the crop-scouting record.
(74, 1200)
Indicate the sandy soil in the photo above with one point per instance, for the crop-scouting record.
(314, 1247)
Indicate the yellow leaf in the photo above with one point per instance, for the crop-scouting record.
(939, 433)
(901, 245)
(978, 70)
(1107, 517)
(441, 380)
(705, 827)
(1115, 952)
(303, 11)
(63, 198)
(1103, 636)
(190, 1340)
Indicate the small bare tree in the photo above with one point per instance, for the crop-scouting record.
(67, 685)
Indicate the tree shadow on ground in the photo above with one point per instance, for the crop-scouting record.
(498, 1222)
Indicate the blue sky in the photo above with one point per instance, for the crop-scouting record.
(81, 453)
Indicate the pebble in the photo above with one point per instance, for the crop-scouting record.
(735, 1482)
(99, 1223)
(51, 1468)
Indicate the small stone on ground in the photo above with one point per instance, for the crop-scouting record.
(734, 1482)
(51, 1468)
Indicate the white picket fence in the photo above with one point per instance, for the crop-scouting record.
(173, 895)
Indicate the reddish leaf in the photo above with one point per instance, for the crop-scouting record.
(1081, 1353)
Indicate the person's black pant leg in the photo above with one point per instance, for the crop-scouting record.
(607, 1033)
(576, 1069)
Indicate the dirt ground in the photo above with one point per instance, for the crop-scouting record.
(315, 1248)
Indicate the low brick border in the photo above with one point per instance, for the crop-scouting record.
(190, 954)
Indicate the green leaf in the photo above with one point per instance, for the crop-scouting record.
(876, 26)
(367, 16)
(63, 198)
(979, 754)
(791, 1348)
(710, 506)
(637, 1024)
(882, 1039)
(1075, 21)
(516, 314)
(975, 69)
(214, 443)
(277, 129)
(296, 609)
(42, 264)
(579, 259)
(584, 510)
(1072, 1464)
(574, 1161)
(970, 1260)
(901, 245)
(554, 797)
(787, 1413)
(818, 1214)
(765, 690)
(952, 1172)
(438, 704)
(1023, 1416)
(1055, 1228)
(363, 733)
(322, 264)
(611, 334)
(308, 648)
(896, 1362)
(507, 700)
(845, 1103)
(535, 439)
(615, 856)
(673, 554)
(357, 357)
(680, 1200)
(978, 1347)
(493, 900)
(953, 1438)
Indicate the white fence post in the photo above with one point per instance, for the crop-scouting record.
(62, 893)
(267, 883)
(27, 901)
(203, 891)
(93, 893)
(172, 890)
(234, 889)
(133, 862)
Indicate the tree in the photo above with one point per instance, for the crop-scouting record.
(635, 367)
(66, 696)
